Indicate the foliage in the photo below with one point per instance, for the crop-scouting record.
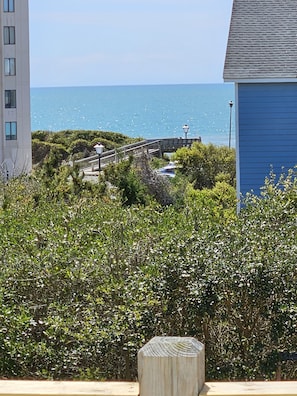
(86, 281)
(77, 143)
(216, 204)
(81, 146)
(124, 177)
(41, 150)
(157, 186)
(68, 136)
(138, 183)
(157, 162)
(206, 164)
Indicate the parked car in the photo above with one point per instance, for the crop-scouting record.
(168, 170)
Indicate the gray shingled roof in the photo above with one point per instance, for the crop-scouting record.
(262, 40)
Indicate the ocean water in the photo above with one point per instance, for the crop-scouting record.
(148, 111)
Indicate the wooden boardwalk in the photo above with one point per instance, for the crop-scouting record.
(151, 147)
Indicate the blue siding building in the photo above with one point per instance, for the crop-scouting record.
(261, 59)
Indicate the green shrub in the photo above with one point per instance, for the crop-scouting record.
(85, 281)
(206, 164)
(42, 149)
(82, 147)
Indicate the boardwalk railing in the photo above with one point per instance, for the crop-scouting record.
(167, 366)
(151, 147)
(170, 145)
(116, 155)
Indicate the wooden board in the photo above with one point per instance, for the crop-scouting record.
(272, 388)
(63, 388)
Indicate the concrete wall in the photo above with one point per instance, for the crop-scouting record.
(16, 155)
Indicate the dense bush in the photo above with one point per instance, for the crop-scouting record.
(86, 281)
(123, 176)
(205, 164)
(68, 136)
(42, 149)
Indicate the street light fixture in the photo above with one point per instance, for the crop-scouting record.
(230, 126)
(99, 150)
(186, 130)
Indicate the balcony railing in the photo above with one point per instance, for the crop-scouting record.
(167, 366)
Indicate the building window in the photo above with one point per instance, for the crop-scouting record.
(8, 6)
(9, 67)
(10, 99)
(11, 130)
(9, 35)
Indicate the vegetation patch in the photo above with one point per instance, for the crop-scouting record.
(91, 271)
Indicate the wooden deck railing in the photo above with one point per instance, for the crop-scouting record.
(57, 388)
(167, 366)
(71, 388)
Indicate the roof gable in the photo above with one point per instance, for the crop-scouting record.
(262, 40)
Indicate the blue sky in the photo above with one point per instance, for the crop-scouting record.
(127, 42)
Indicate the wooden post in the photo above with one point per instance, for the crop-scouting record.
(171, 366)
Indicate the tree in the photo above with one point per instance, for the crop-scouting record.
(157, 186)
(124, 177)
(216, 204)
(205, 164)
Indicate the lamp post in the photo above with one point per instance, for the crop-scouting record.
(99, 150)
(230, 126)
(186, 130)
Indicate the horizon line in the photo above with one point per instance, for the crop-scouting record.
(130, 85)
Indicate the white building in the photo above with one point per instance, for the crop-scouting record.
(15, 126)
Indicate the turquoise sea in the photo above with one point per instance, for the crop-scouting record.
(148, 111)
